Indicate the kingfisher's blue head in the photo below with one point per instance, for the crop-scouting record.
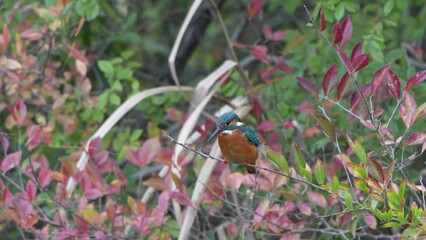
(224, 121)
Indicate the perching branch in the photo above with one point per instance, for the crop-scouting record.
(206, 155)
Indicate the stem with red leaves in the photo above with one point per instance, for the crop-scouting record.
(245, 80)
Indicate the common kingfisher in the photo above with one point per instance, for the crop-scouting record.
(237, 142)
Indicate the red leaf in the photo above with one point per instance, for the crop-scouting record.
(279, 63)
(150, 149)
(337, 33)
(31, 190)
(260, 211)
(257, 108)
(181, 198)
(19, 112)
(360, 62)
(259, 52)
(377, 168)
(371, 221)
(342, 86)
(277, 36)
(345, 219)
(317, 199)
(266, 74)
(266, 126)
(4, 142)
(407, 110)
(101, 158)
(289, 206)
(240, 45)
(95, 146)
(267, 30)
(10, 161)
(347, 31)
(79, 56)
(415, 79)
(330, 79)
(306, 108)
(394, 85)
(31, 35)
(356, 97)
(34, 136)
(323, 24)
(255, 6)
(234, 180)
(3, 44)
(21, 109)
(308, 85)
(416, 138)
(378, 78)
(356, 51)
(44, 177)
(7, 197)
(274, 36)
(305, 209)
(157, 183)
(345, 59)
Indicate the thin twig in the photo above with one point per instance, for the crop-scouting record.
(245, 80)
(206, 155)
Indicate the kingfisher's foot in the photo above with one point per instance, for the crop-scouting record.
(225, 161)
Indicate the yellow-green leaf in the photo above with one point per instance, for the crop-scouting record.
(319, 172)
(335, 185)
(348, 201)
(325, 125)
(91, 216)
(361, 185)
(358, 150)
(299, 158)
(276, 159)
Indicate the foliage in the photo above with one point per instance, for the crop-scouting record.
(338, 100)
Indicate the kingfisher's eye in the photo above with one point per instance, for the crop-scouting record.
(228, 122)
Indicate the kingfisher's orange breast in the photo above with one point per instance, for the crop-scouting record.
(235, 147)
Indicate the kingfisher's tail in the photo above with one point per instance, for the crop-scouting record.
(250, 169)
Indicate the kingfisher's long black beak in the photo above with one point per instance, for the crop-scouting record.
(215, 132)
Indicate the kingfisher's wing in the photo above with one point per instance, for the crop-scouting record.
(250, 135)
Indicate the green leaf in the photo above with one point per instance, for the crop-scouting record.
(275, 158)
(393, 200)
(391, 224)
(103, 100)
(299, 159)
(136, 134)
(388, 7)
(402, 219)
(335, 184)
(402, 188)
(127, 54)
(348, 201)
(390, 22)
(361, 185)
(340, 11)
(124, 74)
(106, 67)
(352, 227)
(358, 150)
(350, 6)
(117, 86)
(114, 99)
(306, 174)
(402, 5)
(325, 125)
(319, 173)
